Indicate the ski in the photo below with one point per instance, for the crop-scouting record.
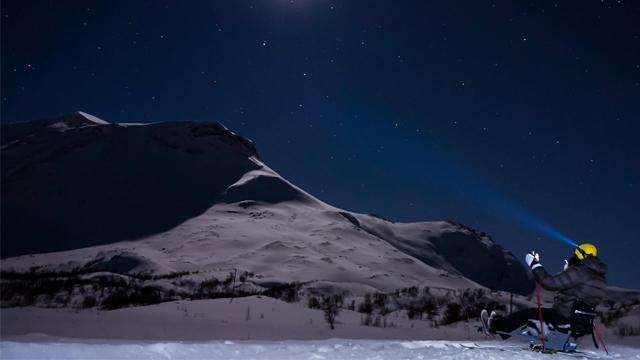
(520, 349)
(576, 354)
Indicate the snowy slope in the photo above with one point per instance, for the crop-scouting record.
(189, 196)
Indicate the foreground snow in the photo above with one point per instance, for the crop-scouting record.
(326, 349)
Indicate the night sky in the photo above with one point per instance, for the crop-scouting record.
(474, 111)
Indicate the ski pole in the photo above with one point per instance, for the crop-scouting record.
(540, 315)
(595, 328)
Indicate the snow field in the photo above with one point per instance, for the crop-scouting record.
(333, 349)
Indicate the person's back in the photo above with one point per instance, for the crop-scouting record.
(587, 283)
(584, 280)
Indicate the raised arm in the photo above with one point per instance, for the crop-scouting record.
(561, 281)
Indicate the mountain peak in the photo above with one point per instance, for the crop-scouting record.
(93, 118)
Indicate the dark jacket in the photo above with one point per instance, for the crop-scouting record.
(585, 280)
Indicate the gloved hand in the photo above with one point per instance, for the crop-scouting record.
(533, 260)
(566, 265)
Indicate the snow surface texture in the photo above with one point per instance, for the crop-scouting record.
(187, 196)
(328, 349)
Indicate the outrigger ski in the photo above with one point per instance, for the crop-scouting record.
(573, 353)
(484, 320)
(535, 348)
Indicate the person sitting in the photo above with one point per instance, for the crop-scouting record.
(583, 279)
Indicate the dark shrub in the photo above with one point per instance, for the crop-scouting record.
(115, 300)
(146, 295)
(229, 279)
(452, 313)
(89, 302)
(290, 293)
(210, 284)
(380, 302)
(331, 306)
(313, 303)
(366, 307)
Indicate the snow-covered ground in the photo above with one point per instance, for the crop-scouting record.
(251, 328)
(248, 318)
(324, 349)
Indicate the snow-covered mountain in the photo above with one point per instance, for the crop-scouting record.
(82, 193)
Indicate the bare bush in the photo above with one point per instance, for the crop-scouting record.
(331, 306)
(625, 329)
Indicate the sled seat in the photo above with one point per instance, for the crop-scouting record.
(582, 317)
(565, 337)
(581, 321)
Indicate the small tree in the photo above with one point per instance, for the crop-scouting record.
(366, 307)
(290, 294)
(431, 308)
(314, 303)
(331, 306)
(380, 302)
(452, 313)
(89, 301)
(231, 278)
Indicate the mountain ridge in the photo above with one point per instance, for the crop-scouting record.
(185, 196)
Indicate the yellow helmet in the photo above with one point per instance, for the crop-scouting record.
(586, 249)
